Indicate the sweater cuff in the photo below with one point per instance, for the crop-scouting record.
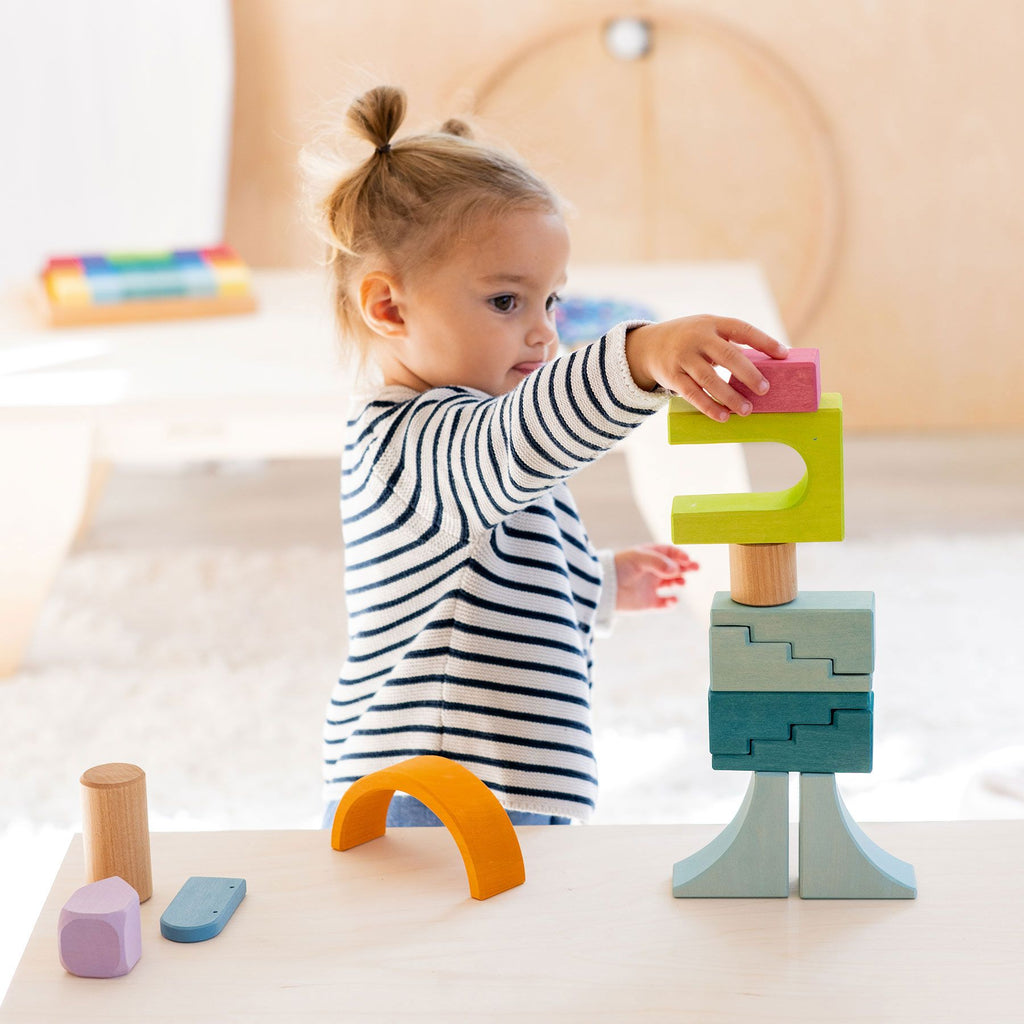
(627, 389)
(604, 618)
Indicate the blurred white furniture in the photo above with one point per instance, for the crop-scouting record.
(268, 384)
(271, 385)
(388, 932)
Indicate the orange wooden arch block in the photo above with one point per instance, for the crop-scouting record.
(468, 809)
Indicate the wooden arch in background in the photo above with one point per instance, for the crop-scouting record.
(709, 147)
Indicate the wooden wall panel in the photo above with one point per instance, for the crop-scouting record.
(918, 319)
(744, 169)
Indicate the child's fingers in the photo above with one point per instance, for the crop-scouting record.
(723, 351)
(737, 362)
(664, 566)
(702, 401)
(742, 333)
(659, 563)
(704, 389)
(680, 559)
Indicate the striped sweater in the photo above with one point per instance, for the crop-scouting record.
(471, 585)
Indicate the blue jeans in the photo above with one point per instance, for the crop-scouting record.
(407, 811)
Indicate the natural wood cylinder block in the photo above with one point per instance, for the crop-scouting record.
(115, 826)
(762, 574)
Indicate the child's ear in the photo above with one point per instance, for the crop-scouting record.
(379, 305)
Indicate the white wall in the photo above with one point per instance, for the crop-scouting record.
(115, 126)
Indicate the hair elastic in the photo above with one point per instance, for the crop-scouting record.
(386, 148)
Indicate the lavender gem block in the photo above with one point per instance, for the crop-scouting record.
(99, 931)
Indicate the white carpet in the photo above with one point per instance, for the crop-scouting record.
(211, 668)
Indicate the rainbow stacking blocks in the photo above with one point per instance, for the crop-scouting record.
(121, 287)
(791, 671)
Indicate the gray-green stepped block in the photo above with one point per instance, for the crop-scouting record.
(736, 719)
(750, 856)
(739, 663)
(835, 624)
(837, 860)
(845, 745)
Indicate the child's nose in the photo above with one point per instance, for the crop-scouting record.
(543, 332)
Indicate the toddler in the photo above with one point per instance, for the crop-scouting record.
(473, 591)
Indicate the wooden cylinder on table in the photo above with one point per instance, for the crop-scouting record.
(762, 574)
(115, 826)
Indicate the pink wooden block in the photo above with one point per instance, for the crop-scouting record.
(99, 931)
(795, 381)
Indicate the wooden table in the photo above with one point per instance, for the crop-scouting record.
(387, 932)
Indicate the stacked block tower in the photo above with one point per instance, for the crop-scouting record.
(791, 670)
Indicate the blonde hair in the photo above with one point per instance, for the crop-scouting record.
(412, 198)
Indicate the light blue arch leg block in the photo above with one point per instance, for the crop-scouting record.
(750, 856)
(837, 860)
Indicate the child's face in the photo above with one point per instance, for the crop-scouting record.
(484, 315)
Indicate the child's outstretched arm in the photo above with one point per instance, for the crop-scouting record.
(681, 356)
(464, 462)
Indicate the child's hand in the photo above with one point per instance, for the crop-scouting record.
(681, 356)
(642, 573)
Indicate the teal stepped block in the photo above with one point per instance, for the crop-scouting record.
(737, 719)
(737, 663)
(842, 746)
(837, 625)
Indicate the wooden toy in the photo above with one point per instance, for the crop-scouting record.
(791, 672)
(837, 860)
(201, 908)
(99, 930)
(115, 826)
(735, 720)
(468, 809)
(738, 663)
(750, 857)
(842, 745)
(123, 287)
(762, 574)
(810, 510)
(795, 381)
(839, 625)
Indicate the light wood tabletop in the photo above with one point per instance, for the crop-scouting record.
(388, 932)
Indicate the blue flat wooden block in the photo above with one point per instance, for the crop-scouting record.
(737, 719)
(201, 908)
(738, 663)
(834, 624)
(843, 746)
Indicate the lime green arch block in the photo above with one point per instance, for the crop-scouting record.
(810, 510)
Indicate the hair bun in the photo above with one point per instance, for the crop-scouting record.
(453, 126)
(377, 114)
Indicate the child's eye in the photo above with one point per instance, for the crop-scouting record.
(553, 300)
(504, 303)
